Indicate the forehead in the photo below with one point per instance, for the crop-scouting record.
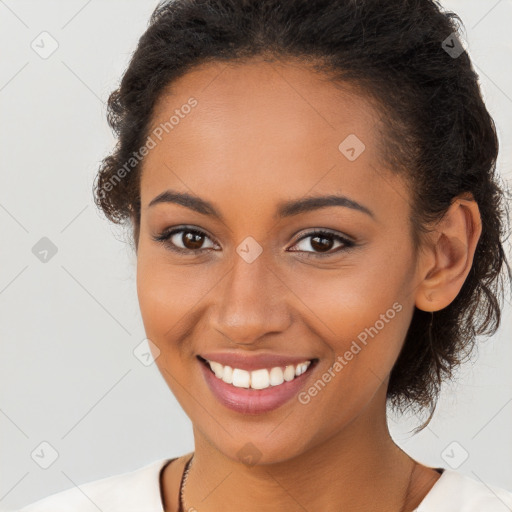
(273, 128)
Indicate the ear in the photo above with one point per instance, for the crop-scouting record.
(447, 255)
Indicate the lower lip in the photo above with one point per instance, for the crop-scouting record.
(253, 401)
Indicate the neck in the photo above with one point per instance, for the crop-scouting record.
(359, 468)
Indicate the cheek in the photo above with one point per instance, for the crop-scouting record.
(167, 292)
(363, 333)
(362, 315)
(351, 298)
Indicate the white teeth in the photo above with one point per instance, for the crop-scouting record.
(260, 379)
(276, 376)
(227, 374)
(257, 379)
(289, 373)
(217, 368)
(301, 368)
(241, 378)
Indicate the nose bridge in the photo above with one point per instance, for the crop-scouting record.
(252, 300)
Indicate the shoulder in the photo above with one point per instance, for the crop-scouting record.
(456, 491)
(131, 491)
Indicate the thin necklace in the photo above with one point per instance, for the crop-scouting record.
(182, 485)
(183, 508)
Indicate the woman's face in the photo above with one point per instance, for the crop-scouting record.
(248, 139)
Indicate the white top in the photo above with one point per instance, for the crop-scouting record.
(139, 491)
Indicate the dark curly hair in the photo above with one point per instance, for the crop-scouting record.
(407, 58)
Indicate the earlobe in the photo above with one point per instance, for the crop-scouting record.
(451, 248)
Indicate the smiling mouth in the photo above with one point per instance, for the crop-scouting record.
(261, 378)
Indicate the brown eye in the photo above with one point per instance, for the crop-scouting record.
(192, 240)
(183, 240)
(188, 240)
(323, 241)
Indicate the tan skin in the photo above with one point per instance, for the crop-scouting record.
(261, 133)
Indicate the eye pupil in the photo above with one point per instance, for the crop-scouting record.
(195, 239)
(320, 247)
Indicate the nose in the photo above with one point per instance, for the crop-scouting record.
(252, 302)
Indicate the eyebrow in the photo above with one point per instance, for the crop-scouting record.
(284, 209)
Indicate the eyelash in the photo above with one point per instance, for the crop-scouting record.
(165, 236)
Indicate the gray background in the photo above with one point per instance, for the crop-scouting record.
(68, 327)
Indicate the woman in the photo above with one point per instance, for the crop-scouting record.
(318, 226)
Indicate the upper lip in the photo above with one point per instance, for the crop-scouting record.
(254, 362)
